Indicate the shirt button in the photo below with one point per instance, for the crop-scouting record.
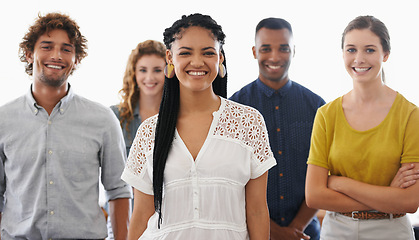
(49, 122)
(61, 110)
(281, 174)
(276, 107)
(282, 219)
(278, 129)
(50, 152)
(35, 111)
(280, 152)
(51, 182)
(51, 213)
(281, 197)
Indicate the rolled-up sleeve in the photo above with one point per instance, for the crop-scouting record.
(113, 157)
(2, 177)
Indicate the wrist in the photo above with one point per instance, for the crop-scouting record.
(297, 225)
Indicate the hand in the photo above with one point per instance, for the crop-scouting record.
(287, 233)
(405, 177)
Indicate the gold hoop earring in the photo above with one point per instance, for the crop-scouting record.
(222, 70)
(169, 70)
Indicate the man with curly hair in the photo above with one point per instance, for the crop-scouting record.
(55, 145)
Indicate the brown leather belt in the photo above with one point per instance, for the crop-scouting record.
(365, 215)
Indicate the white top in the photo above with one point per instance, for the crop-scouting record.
(205, 197)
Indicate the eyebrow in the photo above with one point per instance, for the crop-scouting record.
(353, 45)
(281, 45)
(65, 44)
(204, 49)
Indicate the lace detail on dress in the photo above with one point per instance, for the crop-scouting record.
(245, 124)
(142, 145)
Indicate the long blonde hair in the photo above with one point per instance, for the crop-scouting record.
(130, 93)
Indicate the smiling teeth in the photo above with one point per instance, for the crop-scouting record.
(273, 67)
(361, 69)
(54, 66)
(197, 73)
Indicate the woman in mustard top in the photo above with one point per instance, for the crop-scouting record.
(364, 156)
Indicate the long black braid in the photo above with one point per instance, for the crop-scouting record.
(169, 107)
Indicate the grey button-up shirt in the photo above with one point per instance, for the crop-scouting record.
(50, 167)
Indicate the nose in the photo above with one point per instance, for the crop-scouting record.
(275, 56)
(149, 75)
(56, 54)
(197, 61)
(359, 58)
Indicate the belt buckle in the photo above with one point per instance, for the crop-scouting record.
(353, 217)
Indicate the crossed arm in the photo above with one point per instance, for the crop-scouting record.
(342, 194)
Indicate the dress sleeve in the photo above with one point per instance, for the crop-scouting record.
(257, 138)
(139, 168)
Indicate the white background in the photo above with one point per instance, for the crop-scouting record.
(113, 29)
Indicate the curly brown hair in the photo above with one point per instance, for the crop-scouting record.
(130, 93)
(45, 24)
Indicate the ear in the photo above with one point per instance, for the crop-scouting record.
(293, 51)
(386, 57)
(254, 52)
(29, 56)
(169, 57)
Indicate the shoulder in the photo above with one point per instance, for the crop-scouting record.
(240, 122)
(90, 105)
(330, 107)
(245, 126)
(239, 110)
(12, 111)
(147, 128)
(94, 111)
(406, 108)
(12, 105)
(144, 138)
(409, 106)
(244, 91)
(307, 92)
(115, 110)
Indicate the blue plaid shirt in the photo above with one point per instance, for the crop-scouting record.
(289, 114)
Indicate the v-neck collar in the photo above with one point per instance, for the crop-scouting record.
(214, 122)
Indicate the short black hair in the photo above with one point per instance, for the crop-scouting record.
(273, 23)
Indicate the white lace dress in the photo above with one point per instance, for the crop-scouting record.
(205, 198)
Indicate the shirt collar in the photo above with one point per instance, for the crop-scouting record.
(269, 91)
(62, 105)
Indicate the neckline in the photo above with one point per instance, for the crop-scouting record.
(214, 122)
(390, 112)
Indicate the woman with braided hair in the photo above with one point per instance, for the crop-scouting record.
(199, 167)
